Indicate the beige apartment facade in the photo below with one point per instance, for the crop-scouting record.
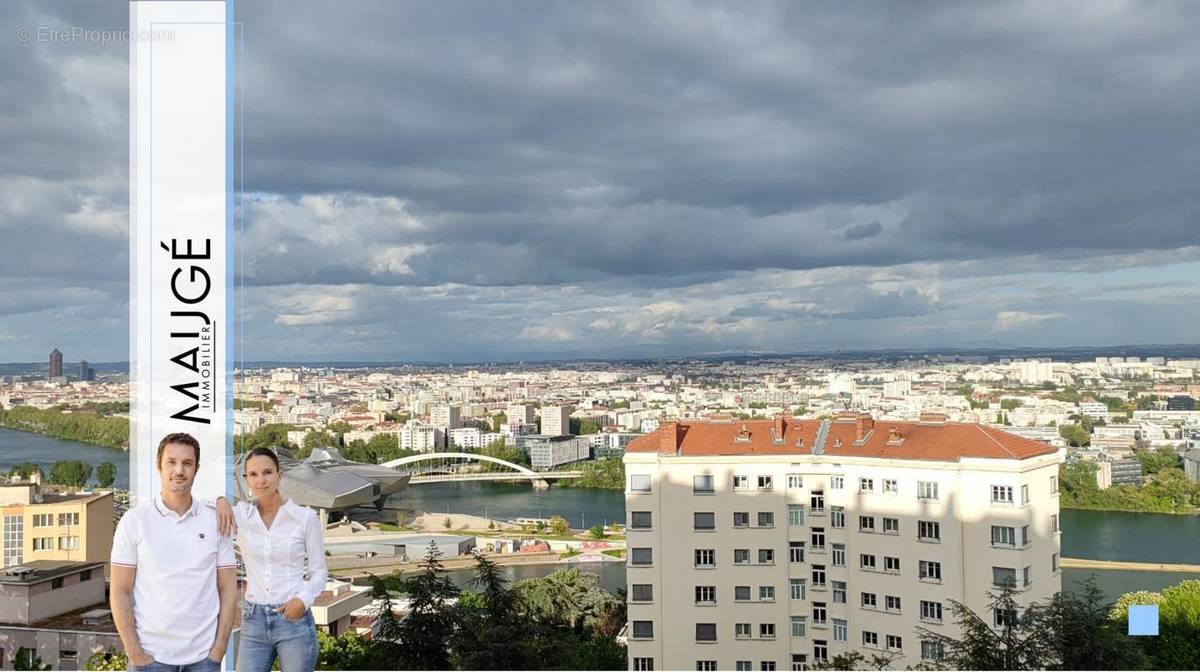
(54, 526)
(775, 545)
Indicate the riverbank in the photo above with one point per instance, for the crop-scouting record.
(92, 428)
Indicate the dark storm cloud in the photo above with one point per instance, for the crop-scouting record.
(561, 155)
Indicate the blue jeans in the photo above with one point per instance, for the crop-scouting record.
(266, 634)
(204, 665)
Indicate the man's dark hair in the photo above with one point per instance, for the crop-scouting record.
(181, 438)
(263, 452)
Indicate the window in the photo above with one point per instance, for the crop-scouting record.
(1054, 522)
(866, 485)
(1024, 494)
(706, 666)
(765, 483)
(890, 487)
(795, 481)
(795, 551)
(837, 483)
(866, 561)
(818, 576)
(927, 490)
(68, 654)
(891, 564)
(1002, 494)
(55, 584)
(1025, 538)
(766, 593)
(640, 520)
(795, 514)
(766, 630)
(1027, 576)
(642, 592)
(640, 483)
(927, 530)
(868, 601)
(767, 665)
(704, 520)
(706, 594)
(866, 523)
(895, 643)
(931, 611)
(741, 519)
(741, 482)
(706, 557)
(703, 484)
(891, 603)
(68, 518)
(643, 629)
(799, 627)
(744, 666)
(741, 556)
(931, 650)
(741, 630)
(43, 543)
(837, 516)
(641, 556)
(839, 592)
(1054, 562)
(930, 570)
(839, 555)
(840, 632)
(870, 638)
(643, 665)
(819, 613)
(816, 501)
(766, 519)
(891, 526)
(1054, 485)
(796, 587)
(1003, 575)
(820, 651)
(799, 662)
(706, 632)
(741, 593)
(1003, 536)
(766, 556)
(818, 538)
(1004, 618)
(43, 519)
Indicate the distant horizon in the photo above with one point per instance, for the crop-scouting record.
(1168, 350)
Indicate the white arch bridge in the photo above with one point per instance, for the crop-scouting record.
(445, 467)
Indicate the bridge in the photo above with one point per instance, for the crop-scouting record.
(450, 467)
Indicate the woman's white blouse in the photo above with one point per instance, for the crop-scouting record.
(284, 561)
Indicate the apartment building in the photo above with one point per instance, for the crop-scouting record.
(39, 525)
(556, 420)
(779, 544)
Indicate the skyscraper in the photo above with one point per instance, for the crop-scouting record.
(56, 367)
(86, 373)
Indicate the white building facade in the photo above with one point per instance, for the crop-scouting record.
(776, 545)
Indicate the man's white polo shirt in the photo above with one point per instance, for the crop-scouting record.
(175, 600)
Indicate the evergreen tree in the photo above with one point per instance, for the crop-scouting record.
(1083, 636)
(1005, 638)
(106, 473)
(424, 634)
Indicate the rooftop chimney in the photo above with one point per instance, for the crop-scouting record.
(894, 435)
(863, 425)
(668, 439)
(777, 437)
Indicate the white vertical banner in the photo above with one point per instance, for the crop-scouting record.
(179, 219)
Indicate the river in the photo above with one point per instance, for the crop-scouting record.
(1102, 535)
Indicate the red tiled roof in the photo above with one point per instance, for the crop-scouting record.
(856, 436)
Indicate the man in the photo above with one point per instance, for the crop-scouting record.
(174, 577)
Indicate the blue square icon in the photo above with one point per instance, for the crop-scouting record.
(1143, 619)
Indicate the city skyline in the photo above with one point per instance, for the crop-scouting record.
(554, 184)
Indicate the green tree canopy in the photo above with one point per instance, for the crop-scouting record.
(72, 473)
(106, 474)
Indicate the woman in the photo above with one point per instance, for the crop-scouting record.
(280, 542)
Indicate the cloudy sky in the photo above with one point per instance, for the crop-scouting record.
(484, 181)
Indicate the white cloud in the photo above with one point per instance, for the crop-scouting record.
(1009, 319)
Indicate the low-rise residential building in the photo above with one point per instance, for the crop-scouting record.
(56, 611)
(779, 544)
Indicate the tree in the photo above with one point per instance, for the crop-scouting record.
(72, 473)
(1158, 460)
(1177, 646)
(26, 470)
(271, 435)
(1020, 642)
(423, 634)
(314, 440)
(1075, 435)
(106, 473)
(1083, 636)
(384, 448)
(559, 526)
(499, 420)
(569, 598)
(111, 658)
(347, 651)
(446, 523)
(855, 660)
(597, 532)
(27, 659)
